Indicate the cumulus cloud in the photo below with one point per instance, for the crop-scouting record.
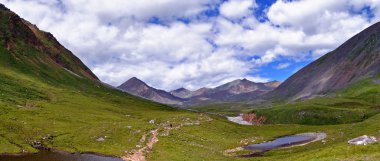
(236, 9)
(171, 44)
(321, 27)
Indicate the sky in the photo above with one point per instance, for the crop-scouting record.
(198, 43)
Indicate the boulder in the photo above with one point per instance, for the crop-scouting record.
(363, 140)
(101, 139)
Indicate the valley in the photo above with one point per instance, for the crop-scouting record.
(49, 99)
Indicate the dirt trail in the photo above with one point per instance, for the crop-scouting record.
(140, 154)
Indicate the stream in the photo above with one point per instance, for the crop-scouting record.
(56, 156)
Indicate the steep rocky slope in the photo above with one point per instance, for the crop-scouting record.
(24, 44)
(356, 59)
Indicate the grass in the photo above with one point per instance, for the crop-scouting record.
(320, 111)
(209, 141)
(76, 118)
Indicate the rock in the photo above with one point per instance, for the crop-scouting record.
(363, 140)
(101, 139)
(239, 120)
(37, 145)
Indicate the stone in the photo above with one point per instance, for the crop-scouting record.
(101, 139)
(363, 140)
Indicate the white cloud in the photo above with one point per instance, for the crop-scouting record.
(236, 9)
(117, 42)
(282, 66)
(291, 34)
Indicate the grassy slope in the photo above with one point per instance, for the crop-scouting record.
(74, 117)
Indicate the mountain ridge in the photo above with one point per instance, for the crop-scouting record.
(354, 60)
(24, 42)
(240, 89)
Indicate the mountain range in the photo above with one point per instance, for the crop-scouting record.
(237, 90)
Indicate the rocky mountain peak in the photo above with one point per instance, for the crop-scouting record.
(139, 88)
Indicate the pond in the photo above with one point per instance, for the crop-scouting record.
(285, 141)
(57, 156)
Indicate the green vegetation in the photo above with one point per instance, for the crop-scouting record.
(365, 47)
(320, 111)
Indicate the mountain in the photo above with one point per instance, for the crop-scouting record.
(28, 49)
(182, 93)
(354, 60)
(237, 90)
(244, 86)
(186, 94)
(139, 88)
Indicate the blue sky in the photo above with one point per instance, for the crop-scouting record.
(198, 43)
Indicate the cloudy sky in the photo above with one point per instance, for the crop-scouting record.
(195, 43)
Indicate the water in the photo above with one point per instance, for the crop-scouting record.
(285, 141)
(56, 156)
